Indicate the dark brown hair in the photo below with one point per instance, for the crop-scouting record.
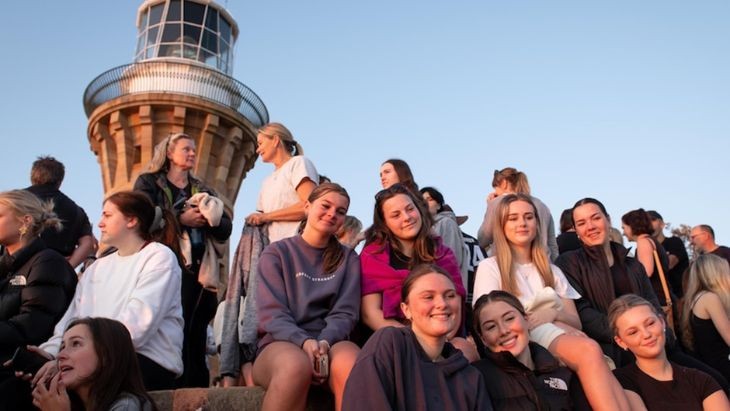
(639, 221)
(117, 370)
(405, 176)
(47, 170)
(417, 272)
(424, 248)
(492, 297)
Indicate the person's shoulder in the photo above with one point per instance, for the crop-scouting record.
(489, 264)
(129, 402)
(159, 250)
(627, 376)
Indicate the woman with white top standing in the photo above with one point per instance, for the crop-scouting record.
(138, 285)
(284, 192)
(521, 267)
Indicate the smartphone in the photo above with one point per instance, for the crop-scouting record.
(322, 365)
(26, 361)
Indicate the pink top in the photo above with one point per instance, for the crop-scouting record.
(377, 275)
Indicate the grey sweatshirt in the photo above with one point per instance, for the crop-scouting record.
(296, 300)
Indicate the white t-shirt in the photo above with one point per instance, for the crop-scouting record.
(142, 291)
(279, 190)
(528, 281)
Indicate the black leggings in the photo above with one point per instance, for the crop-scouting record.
(154, 376)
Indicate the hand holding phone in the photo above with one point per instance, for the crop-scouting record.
(26, 361)
(322, 365)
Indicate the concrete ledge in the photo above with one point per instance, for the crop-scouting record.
(233, 398)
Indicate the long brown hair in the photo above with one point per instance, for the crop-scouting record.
(117, 370)
(405, 176)
(503, 250)
(334, 253)
(424, 247)
(517, 180)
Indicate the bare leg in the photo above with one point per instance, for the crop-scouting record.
(285, 371)
(585, 358)
(342, 357)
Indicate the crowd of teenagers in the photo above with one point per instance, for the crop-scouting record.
(424, 317)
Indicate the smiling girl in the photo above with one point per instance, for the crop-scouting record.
(398, 241)
(522, 268)
(415, 367)
(308, 300)
(661, 385)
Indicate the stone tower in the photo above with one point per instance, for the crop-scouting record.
(179, 82)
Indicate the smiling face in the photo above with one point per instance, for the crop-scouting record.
(10, 225)
(77, 360)
(327, 213)
(432, 306)
(402, 217)
(591, 224)
(640, 330)
(503, 328)
(181, 153)
(388, 176)
(114, 225)
(521, 225)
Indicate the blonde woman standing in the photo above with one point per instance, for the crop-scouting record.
(284, 192)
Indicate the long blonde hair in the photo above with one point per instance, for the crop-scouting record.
(503, 251)
(708, 273)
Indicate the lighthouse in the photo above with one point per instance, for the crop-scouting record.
(180, 81)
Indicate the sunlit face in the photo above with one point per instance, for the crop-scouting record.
(641, 331)
(388, 176)
(591, 224)
(182, 153)
(698, 238)
(503, 328)
(266, 145)
(77, 359)
(114, 225)
(521, 225)
(327, 213)
(627, 232)
(432, 306)
(402, 217)
(433, 205)
(10, 225)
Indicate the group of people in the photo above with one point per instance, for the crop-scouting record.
(424, 317)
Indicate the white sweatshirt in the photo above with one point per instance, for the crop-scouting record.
(143, 292)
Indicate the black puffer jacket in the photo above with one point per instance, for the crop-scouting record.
(36, 286)
(514, 387)
(588, 272)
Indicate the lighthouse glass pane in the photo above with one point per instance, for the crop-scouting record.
(143, 20)
(209, 58)
(173, 11)
(191, 34)
(172, 32)
(190, 52)
(193, 12)
(140, 43)
(225, 30)
(156, 13)
(170, 50)
(152, 35)
(210, 41)
(211, 20)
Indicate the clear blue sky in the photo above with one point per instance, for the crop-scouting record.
(626, 101)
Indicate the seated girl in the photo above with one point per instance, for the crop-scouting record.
(522, 375)
(98, 370)
(705, 325)
(521, 267)
(414, 367)
(398, 241)
(308, 300)
(138, 285)
(652, 380)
